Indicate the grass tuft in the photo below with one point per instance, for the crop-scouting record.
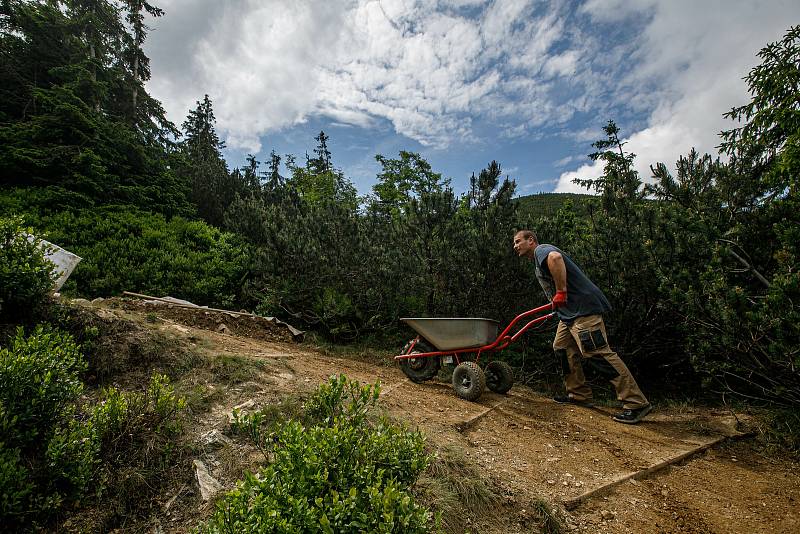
(456, 488)
(549, 520)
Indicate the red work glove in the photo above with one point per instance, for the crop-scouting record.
(560, 299)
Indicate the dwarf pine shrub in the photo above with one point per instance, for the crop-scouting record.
(55, 452)
(26, 277)
(340, 473)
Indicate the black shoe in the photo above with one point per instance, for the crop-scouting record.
(631, 417)
(566, 399)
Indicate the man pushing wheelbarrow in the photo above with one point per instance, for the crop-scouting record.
(581, 334)
(580, 338)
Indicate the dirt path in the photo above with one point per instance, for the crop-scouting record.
(532, 448)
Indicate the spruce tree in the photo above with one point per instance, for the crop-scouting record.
(203, 166)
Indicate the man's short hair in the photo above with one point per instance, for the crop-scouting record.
(527, 234)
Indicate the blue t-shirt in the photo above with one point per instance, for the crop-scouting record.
(583, 297)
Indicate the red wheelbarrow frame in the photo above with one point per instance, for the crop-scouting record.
(502, 341)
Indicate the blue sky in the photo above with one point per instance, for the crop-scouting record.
(463, 82)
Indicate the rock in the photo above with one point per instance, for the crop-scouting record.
(81, 302)
(105, 314)
(214, 439)
(97, 301)
(179, 328)
(222, 328)
(209, 486)
(240, 407)
(607, 515)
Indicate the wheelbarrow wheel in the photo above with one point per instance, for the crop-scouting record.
(499, 376)
(468, 381)
(420, 369)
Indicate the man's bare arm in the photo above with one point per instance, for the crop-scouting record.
(558, 270)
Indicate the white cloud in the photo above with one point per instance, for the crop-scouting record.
(614, 10)
(695, 65)
(563, 162)
(427, 66)
(436, 69)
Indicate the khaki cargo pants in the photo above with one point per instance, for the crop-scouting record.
(585, 342)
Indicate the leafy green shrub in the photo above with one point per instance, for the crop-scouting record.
(15, 484)
(343, 475)
(52, 451)
(39, 380)
(342, 400)
(39, 384)
(125, 249)
(26, 277)
(122, 418)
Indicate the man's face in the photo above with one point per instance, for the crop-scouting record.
(524, 247)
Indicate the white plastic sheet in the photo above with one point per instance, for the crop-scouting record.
(64, 260)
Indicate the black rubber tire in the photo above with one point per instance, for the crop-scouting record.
(499, 376)
(468, 381)
(420, 369)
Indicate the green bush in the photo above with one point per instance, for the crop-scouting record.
(343, 475)
(126, 249)
(122, 418)
(26, 277)
(15, 484)
(39, 384)
(52, 451)
(39, 381)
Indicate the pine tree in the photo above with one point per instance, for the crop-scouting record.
(203, 165)
(61, 123)
(139, 63)
(321, 163)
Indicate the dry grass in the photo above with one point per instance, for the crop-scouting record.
(454, 487)
(548, 518)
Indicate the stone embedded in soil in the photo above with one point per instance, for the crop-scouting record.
(209, 486)
(607, 515)
(240, 407)
(214, 439)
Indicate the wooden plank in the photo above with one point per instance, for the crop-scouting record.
(573, 503)
(465, 425)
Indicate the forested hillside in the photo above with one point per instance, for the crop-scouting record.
(548, 204)
(700, 263)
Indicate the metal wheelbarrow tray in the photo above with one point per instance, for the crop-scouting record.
(450, 337)
(449, 333)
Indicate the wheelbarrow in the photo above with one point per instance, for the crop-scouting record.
(442, 340)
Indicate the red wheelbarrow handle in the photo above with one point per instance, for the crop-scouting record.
(502, 341)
